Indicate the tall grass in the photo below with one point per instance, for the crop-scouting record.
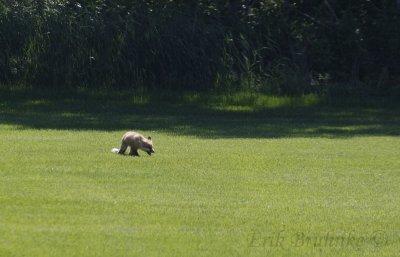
(199, 45)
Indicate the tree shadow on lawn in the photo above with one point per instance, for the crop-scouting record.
(200, 120)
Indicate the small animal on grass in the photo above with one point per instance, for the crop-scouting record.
(135, 141)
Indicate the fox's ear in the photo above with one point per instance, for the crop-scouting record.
(149, 138)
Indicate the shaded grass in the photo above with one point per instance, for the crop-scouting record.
(244, 115)
(271, 181)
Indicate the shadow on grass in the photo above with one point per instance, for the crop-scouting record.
(198, 118)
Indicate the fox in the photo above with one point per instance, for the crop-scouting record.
(135, 141)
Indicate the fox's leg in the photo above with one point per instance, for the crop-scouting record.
(133, 152)
(123, 148)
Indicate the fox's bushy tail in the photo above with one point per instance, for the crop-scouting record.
(115, 150)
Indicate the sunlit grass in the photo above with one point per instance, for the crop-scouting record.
(230, 184)
(249, 101)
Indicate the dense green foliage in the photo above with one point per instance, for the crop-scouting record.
(284, 47)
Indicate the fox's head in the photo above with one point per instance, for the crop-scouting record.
(148, 146)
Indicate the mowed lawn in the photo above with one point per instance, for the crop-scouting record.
(304, 187)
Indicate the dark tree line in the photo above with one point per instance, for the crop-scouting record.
(277, 46)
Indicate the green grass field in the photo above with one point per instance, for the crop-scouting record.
(240, 176)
